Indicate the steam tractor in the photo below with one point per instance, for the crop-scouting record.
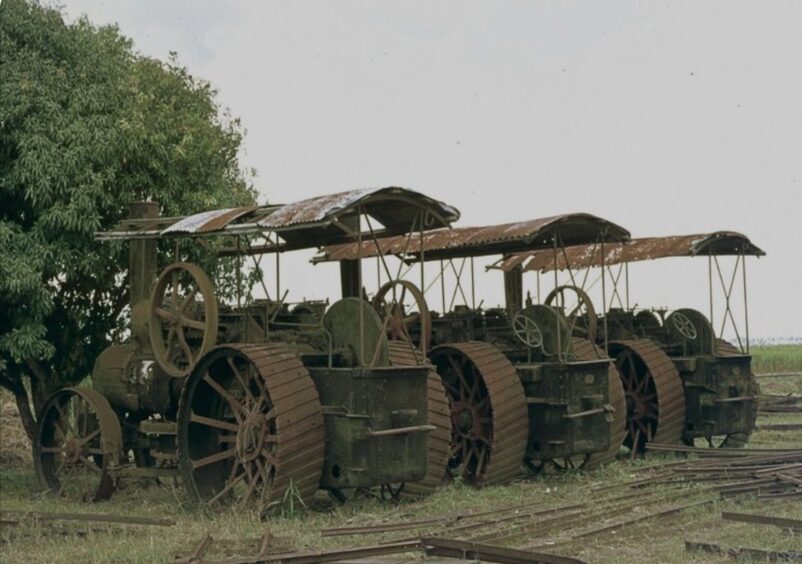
(682, 381)
(251, 400)
(519, 388)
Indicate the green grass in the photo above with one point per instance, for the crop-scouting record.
(777, 358)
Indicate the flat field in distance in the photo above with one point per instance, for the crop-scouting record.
(635, 533)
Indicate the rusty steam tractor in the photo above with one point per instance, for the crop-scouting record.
(253, 401)
(682, 381)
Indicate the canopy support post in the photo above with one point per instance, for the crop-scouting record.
(604, 297)
(556, 318)
(359, 284)
(424, 329)
(710, 290)
(442, 285)
(746, 304)
(626, 282)
(473, 286)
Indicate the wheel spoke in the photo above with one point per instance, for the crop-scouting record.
(187, 300)
(67, 424)
(236, 407)
(163, 313)
(216, 423)
(185, 347)
(89, 437)
(240, 379)
(212, 458)
(192, 323)
(91, 465)
(231, 483)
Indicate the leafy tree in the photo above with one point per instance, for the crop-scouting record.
(87, 125)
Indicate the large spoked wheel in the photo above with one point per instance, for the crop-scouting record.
(654, 394)
(250, 428)
(405, 314)
(578, 309)
(183, 318)
(78, 442)
(489, 419)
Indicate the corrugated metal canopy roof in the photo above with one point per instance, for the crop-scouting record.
(719, 243)
(570, 229)
(309, 223)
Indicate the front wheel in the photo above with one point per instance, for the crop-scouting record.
(78, 441)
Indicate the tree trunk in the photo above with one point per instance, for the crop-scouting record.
(14, 384)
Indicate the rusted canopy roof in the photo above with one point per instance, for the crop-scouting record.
(309, 223)
(719, 243)
(568, 229)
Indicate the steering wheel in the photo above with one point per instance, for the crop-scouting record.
(401, 314)
(527, 330)
(582, 319)
(183, 318)
(683, 325)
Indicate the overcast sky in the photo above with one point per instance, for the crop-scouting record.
(666, 117)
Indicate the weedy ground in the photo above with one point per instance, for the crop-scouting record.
(649, 540)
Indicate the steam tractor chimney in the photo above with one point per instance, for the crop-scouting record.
(141, 272)
(514, 289)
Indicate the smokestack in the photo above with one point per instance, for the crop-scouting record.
(142, 267)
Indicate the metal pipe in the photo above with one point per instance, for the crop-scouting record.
(746, 303)
(359, 278)
(626, 282)
(473, 286)
(710, 290)
(604, 298)
(556, 317)
(443, 285)
(424, 329)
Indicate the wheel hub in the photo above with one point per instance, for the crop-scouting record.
(251, 435)
(464, 417)
(635, 406)
(72, 451)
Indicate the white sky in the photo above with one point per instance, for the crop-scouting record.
(668, 118)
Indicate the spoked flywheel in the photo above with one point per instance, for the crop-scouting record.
(78, 441)
(585, 350)
(183, 318)
(250, 428)
(489, 418)
(438, 446)
(653, 391)
(405, 314)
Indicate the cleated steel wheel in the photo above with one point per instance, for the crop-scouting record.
(78, 441)
(250, 428)
(489, 418)
(653, 391)
(585, 350)
(438, 446)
